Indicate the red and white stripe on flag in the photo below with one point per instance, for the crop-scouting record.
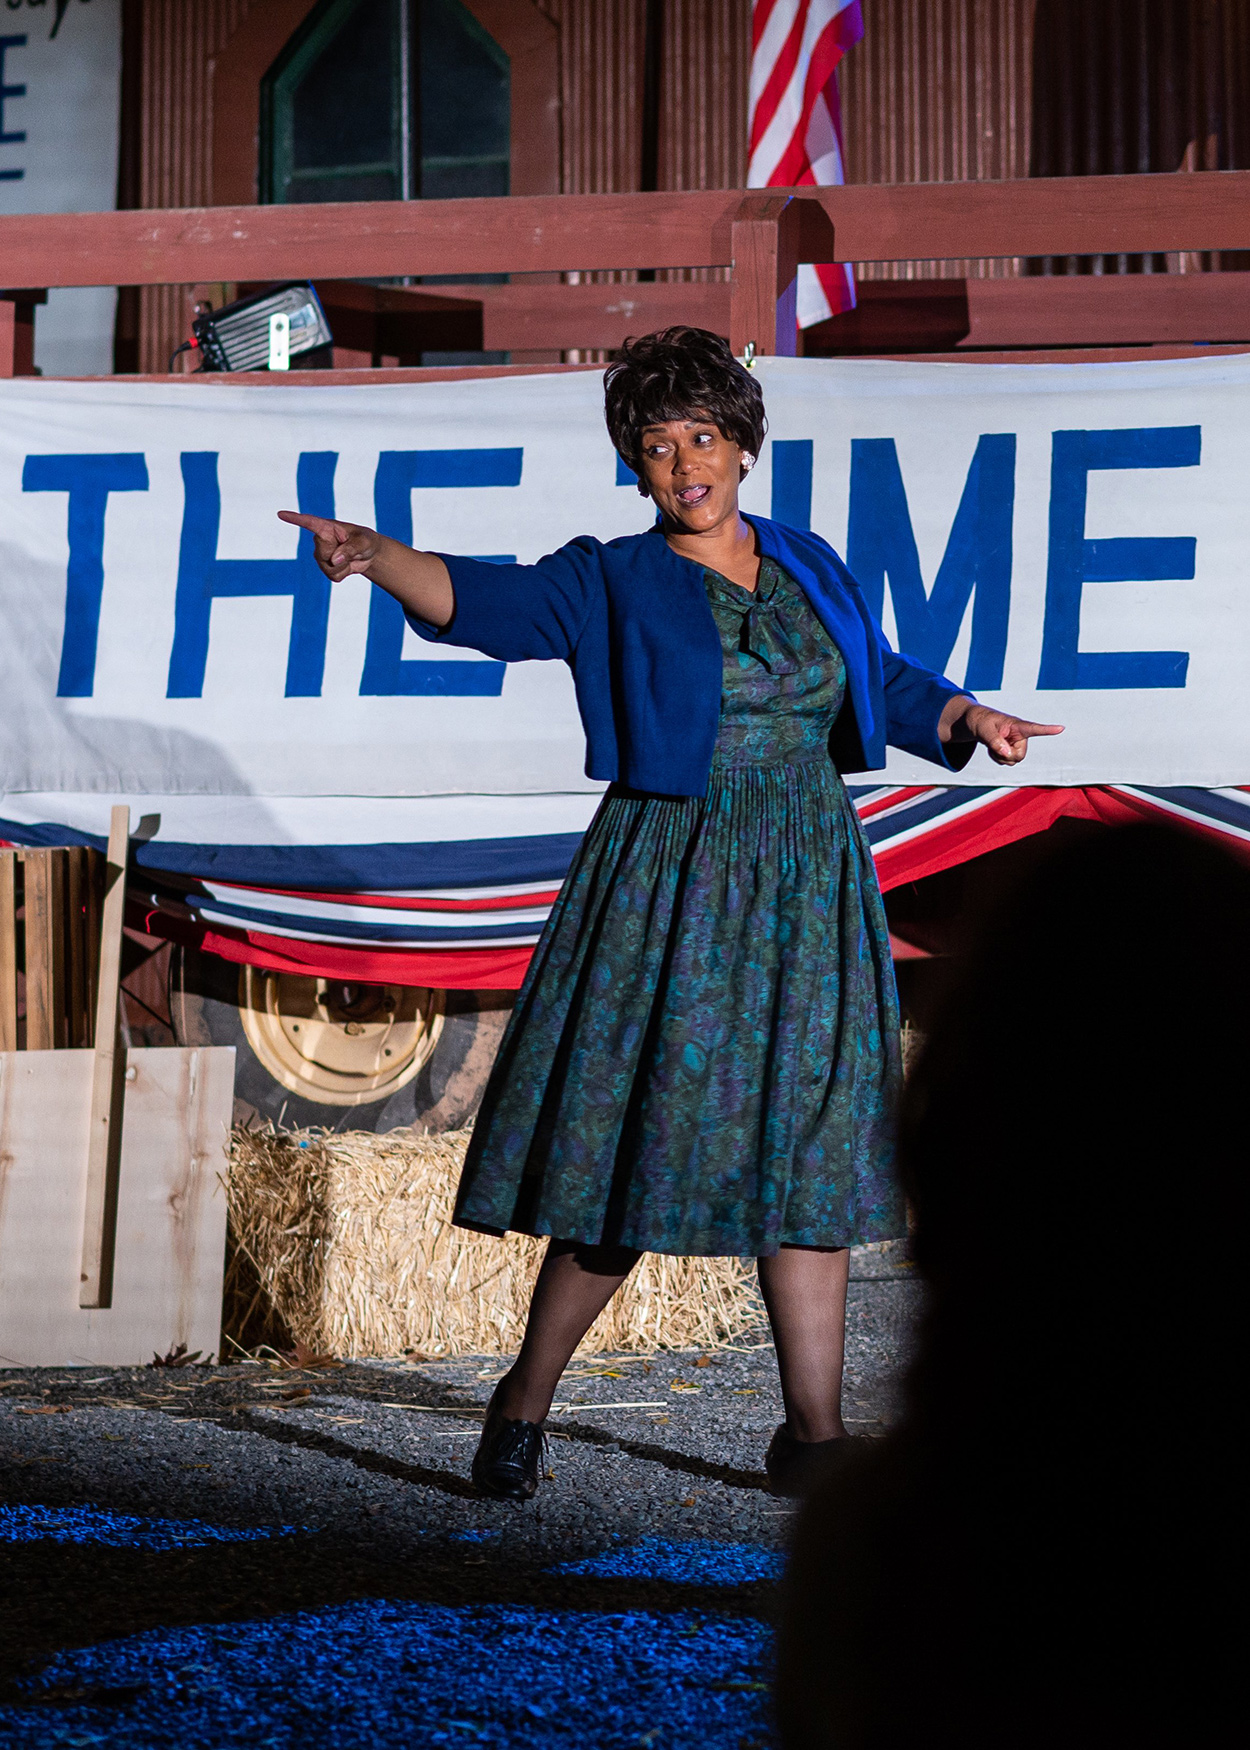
(796, 119)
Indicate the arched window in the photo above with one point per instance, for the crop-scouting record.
(386, 100)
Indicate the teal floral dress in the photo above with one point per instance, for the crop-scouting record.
(703, 1058)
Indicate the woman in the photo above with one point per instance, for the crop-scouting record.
(703, 1058)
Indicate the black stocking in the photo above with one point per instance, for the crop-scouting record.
(574, 1285)
(804, 1289)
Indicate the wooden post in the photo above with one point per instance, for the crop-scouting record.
(84, 871)
(75, 957)
(92, 926)
(45, 950)
(8, 950)
(17, 332)
(8, 338)
(108, 1082)
(765, 243)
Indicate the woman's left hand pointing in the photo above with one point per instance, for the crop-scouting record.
(1004, 737)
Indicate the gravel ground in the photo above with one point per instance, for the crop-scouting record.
(155, 1522)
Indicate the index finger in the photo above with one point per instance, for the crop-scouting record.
(1038, 728)
(317, 525)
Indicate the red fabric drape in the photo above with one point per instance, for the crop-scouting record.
(1017, 814)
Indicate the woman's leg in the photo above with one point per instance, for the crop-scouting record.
(804, 1289)
(574, 1285)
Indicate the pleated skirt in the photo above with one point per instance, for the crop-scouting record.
(704, 1057)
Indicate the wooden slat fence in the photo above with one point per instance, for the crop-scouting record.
(50, 902)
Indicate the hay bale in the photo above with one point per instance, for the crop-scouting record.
(343, 1241)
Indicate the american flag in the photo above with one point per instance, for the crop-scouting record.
(796, 119)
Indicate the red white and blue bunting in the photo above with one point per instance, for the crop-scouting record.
(445, 914)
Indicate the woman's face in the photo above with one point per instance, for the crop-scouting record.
(691, 470)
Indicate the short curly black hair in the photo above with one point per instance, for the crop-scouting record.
(680, 373)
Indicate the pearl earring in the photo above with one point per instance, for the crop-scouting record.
(748, 461)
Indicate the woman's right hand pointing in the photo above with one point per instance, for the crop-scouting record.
(341, 549)
(419, 582)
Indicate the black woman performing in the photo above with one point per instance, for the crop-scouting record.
(704, 1057)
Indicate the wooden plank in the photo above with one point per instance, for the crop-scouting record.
(60, 947)
(524, 317)
(935, 315)
(384, 239)
(104, 1136)
(45, 1003)
(1077, 215)
(1066, 355)
(35, 931)
(397, 320)
(1059, 215)
(1108, 309)
(8, 950)
(77, 1029)
(171, 1215)
(534, 317)
(97, 866)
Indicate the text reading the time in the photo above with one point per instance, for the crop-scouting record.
(974, 577)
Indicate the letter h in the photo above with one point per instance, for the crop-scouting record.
(202, 577)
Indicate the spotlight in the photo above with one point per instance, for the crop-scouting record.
(263, 332)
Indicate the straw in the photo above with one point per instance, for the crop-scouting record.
(343, 1241)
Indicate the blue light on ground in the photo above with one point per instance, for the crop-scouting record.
(696, 1563)
(123, 1530)
(383, 1673)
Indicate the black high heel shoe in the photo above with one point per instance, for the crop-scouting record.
(508, 1462)
(794, 1467)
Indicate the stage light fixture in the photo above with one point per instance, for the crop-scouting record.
(263, 332)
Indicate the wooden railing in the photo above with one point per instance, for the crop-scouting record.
(758, 237)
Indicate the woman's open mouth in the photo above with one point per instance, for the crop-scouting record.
(692, 495)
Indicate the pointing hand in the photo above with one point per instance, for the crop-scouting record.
(1004, 737)
(341, 549)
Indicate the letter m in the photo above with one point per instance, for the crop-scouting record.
(976, 565)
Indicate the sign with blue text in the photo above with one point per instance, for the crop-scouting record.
(1064, 540)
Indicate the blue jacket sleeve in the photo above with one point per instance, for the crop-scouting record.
(519, 613)
(915, 698)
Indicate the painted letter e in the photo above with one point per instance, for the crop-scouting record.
(1074, 561)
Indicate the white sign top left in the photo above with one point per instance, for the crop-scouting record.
(60, 79)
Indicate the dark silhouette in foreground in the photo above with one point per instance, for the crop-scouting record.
(1042, 1552)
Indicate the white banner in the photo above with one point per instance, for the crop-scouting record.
(60, 74)
(1065, 540)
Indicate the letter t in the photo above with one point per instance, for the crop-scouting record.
(88, 481)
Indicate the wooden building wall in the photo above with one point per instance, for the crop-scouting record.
(938, 90)
(174, 44)
(704, 59)
(706, 66)
(601, 93)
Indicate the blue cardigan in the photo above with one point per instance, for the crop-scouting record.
(631, 618)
